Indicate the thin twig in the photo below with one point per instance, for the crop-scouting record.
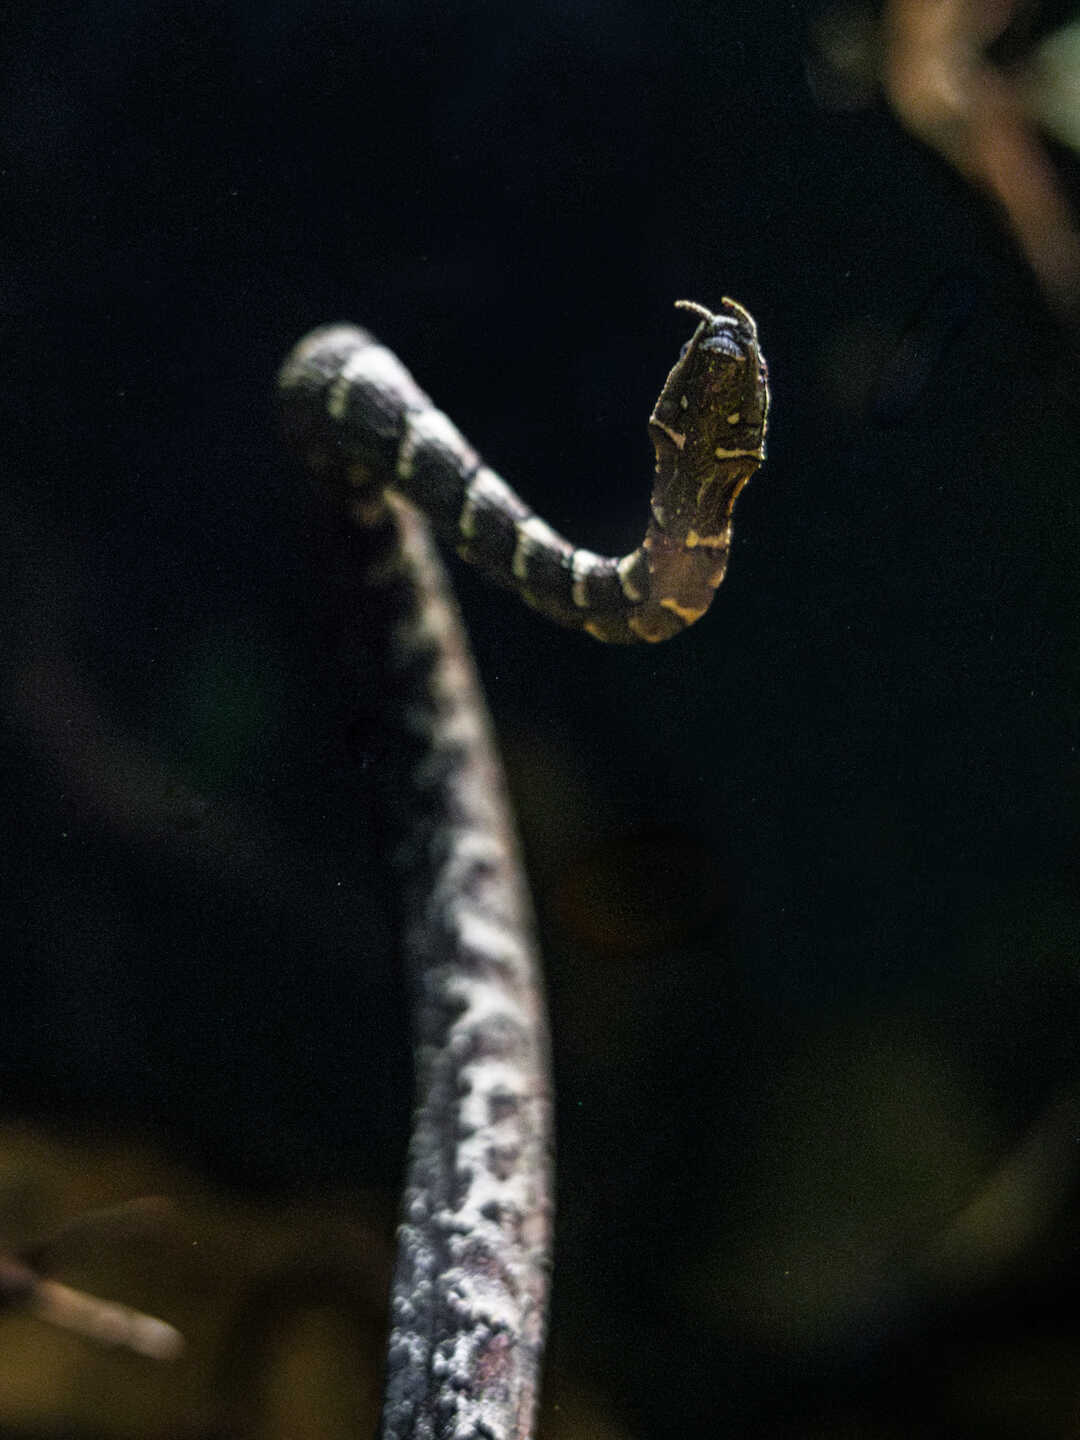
(103, 1321)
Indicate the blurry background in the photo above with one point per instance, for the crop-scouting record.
(807, 876)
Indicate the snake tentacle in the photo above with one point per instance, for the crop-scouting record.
(469, 1294)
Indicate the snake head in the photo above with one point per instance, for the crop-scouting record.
(708, 431)
(724, 378)
(708, 427)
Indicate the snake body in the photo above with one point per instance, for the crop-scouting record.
(469, 1292)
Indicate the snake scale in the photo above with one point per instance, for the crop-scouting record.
(469, 1292)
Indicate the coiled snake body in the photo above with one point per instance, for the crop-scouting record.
(470, 1285)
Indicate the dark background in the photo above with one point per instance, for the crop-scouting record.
(807, 876)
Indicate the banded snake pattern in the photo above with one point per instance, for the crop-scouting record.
(469, 1292)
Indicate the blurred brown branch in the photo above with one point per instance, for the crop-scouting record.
(942, 84)
(24, 1287)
